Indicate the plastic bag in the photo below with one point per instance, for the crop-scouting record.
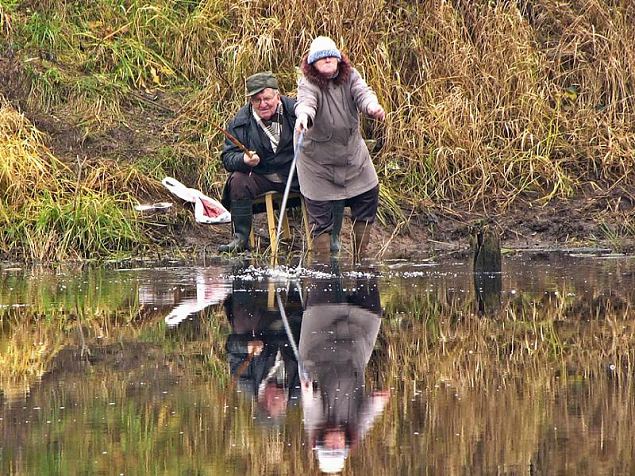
(206, 209)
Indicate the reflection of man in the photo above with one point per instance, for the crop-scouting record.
(261, 360)
(338, 335)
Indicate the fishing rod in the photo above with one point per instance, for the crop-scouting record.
(234, 141)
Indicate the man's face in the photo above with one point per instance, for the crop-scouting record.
(265, 103)
(275, 399)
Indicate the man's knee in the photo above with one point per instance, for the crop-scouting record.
(240, 186)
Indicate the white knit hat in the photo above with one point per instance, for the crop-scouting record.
(323, 47)
(331, 461)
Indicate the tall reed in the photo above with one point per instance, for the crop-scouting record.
(487, 102)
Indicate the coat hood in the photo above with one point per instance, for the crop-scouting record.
(312, 75)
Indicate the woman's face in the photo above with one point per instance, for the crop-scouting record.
(327, 67)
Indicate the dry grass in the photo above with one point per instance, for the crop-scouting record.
(27, 165)
(50, 211)
(487, 101)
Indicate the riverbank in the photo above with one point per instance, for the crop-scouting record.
(504, 113)
(591, 222)
(597, 217)
(593, 217)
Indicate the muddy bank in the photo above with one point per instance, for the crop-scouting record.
(594, 217)
(597, 216)
(584, 222)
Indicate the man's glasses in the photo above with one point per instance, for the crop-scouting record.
(262, 100)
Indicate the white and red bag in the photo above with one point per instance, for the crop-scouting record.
(206, 209)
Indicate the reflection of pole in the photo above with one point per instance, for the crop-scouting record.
(486, 268)
(294, 347)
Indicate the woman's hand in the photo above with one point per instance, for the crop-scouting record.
(301, 123)
(376, 112)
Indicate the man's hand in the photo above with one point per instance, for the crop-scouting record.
(376, 112)
(301, 123)
(251, 160)
(254, 347)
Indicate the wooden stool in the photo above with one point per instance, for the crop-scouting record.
(273, 200)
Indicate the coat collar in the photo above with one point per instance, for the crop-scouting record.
(245, 119)
(311, 73)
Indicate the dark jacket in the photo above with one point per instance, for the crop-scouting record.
(244, 128)
(251, 319)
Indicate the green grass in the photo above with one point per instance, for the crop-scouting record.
(42, 30)
(84, 225)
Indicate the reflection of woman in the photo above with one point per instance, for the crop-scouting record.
(336, 341)
(261, 360)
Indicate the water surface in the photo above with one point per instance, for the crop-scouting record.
(391, 368)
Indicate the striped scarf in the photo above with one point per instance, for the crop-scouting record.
(272, 127)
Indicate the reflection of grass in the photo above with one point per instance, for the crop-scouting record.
(142, 427)
(26, 352)
(526, 336)
(77, 312)
(472, 394)
(488, 385)
(88, 312)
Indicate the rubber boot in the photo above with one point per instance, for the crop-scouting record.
(242, 217)
(338, 216)
(335, 265)
(361, 236)
(322, 244)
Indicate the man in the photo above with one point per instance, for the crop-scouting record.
(261, 360)
(265, 127)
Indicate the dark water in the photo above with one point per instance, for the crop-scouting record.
(393, 368)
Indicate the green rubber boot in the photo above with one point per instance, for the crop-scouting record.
(242, 217)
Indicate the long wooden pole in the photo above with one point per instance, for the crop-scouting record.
(234, 141)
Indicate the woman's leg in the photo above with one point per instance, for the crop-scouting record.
(321, 222)
(363, 212)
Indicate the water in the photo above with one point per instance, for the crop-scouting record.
(394, 368)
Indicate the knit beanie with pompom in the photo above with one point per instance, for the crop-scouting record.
(323, 47)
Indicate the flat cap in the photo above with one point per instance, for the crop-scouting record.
(259, 81)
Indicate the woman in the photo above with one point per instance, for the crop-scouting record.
(334, 166)
(343, 316)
